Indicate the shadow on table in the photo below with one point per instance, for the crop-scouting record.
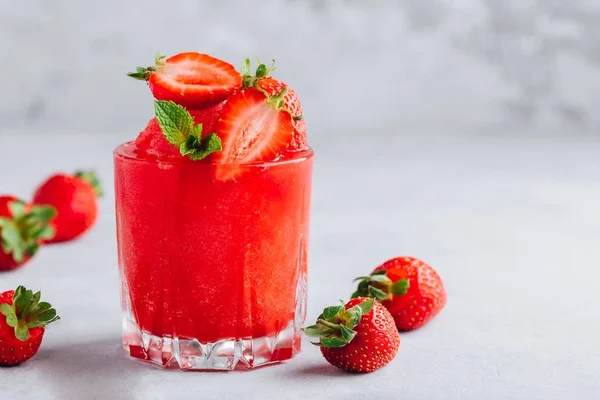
(323, 369)
(95, 370)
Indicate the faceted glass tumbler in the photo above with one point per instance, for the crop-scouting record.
(213, 272)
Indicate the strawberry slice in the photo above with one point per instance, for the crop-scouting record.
(192, 80)
(253, 128)
(292, 104)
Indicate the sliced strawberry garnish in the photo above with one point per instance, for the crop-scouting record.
(292, 104)
(192, 80)
(253, 128)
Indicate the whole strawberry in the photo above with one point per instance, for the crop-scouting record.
(359, 336)
(410, 289)
(75, 199)
(22, 228)
(22, 325)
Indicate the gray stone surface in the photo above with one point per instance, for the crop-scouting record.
(359, 66)
(510, 221)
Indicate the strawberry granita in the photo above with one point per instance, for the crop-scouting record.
(213, 211)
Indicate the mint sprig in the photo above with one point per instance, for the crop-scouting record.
(178, 126)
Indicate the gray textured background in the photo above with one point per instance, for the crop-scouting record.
(463, 132)
(359, 66)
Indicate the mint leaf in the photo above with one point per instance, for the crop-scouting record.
(207, 145)
(174, 120)
(179, 129)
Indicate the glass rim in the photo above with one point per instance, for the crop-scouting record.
(303, 155)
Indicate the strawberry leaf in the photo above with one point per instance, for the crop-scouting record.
(401, 287)
(22, 332)
(380, 279)
(366, 306)
(6, 309)
(317, 330)
(333, 342)
(348, 334)
(378, 294)
(12, 320)
(331, 312)
(27, 312)
(16, 208)
(91, 178)
(21, 235)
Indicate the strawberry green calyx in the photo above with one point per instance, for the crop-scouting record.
(380, 287)
(91, 178)
(26, 312)
(143, 73)
(178, 126)
(22, 232)
(262, 71)
(334, 327)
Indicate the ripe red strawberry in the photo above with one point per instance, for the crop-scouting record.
(359, 336)
(253, 128)
(291, 103)
(74, 197)
(410, 289)
(22, 325)
(22, 228)
(192, 80)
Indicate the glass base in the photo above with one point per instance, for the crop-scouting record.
(224, 355)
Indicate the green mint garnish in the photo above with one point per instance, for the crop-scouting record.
(180, 130)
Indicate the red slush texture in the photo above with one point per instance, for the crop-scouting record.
(211, 260)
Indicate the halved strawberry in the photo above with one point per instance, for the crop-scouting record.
(192, 80)
(292, 104)
(253, 128)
